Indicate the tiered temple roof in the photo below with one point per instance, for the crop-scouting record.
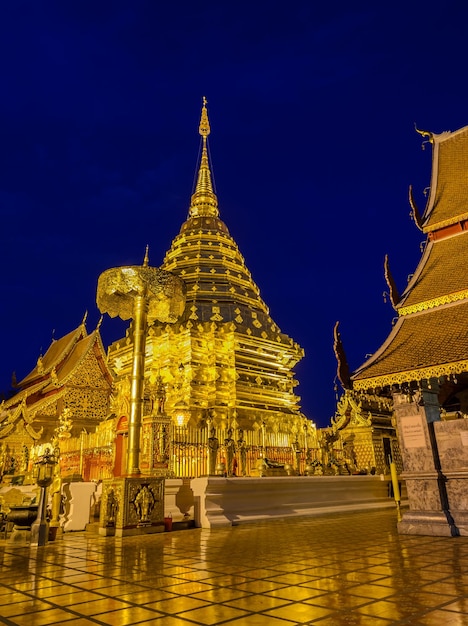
(430, 337)
(71, 379)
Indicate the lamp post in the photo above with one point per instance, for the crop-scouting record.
(45, 467)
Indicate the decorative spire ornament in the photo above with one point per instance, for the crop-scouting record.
(204, 201)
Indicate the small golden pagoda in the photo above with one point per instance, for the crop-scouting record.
(224, 371)
(65, 395)
(423, 364)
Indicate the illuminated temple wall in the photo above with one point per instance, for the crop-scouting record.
(94, 455)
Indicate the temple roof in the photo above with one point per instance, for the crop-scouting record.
(58, 365)
(44, 394)
(440, 276)
(57, 352)
(448, 200)
(430, 338)
(423, 345)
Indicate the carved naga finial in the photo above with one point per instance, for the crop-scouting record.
(415, 214)
(342, 371)
(424, 133)
(393, 291)
(85, 317)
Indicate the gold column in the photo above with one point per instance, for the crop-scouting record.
(145, 294)
(137, 381)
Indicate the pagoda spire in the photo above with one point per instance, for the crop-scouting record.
(204, 201)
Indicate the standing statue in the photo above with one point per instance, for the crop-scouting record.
(161, 395)
(229, 451)
(111, 508)
(213, 445)
(242, 449)
(297, 455)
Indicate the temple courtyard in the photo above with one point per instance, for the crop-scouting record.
(348, 568)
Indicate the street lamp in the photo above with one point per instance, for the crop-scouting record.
(44, 477)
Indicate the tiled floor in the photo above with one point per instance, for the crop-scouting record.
(348, 569)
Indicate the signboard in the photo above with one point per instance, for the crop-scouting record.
(413, 431)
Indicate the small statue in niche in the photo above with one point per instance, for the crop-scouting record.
(144, 504)
(112, 507)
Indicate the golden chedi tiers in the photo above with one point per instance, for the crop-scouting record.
(423, 364)
(224, 364)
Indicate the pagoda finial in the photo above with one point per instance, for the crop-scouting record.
(204, 128)
(204, 201)
(146, 259)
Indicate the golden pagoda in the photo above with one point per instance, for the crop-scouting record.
(423, 364)
(224, 371)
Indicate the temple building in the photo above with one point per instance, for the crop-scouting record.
(66, 394)
(224, 369)
(423, 364)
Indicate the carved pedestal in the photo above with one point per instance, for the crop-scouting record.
(132, 506)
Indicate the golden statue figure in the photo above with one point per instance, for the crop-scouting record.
(229, 451)
(296, 448)
(111, 508)
(242, 449)
(144, 504)
(213, 445)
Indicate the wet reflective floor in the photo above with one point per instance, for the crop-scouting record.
(350, 568)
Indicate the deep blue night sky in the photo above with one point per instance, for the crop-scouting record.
(312, 112)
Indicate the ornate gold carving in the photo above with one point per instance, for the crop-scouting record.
(117, 288)
(397, 378)
(430, 304)
(447, 222)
